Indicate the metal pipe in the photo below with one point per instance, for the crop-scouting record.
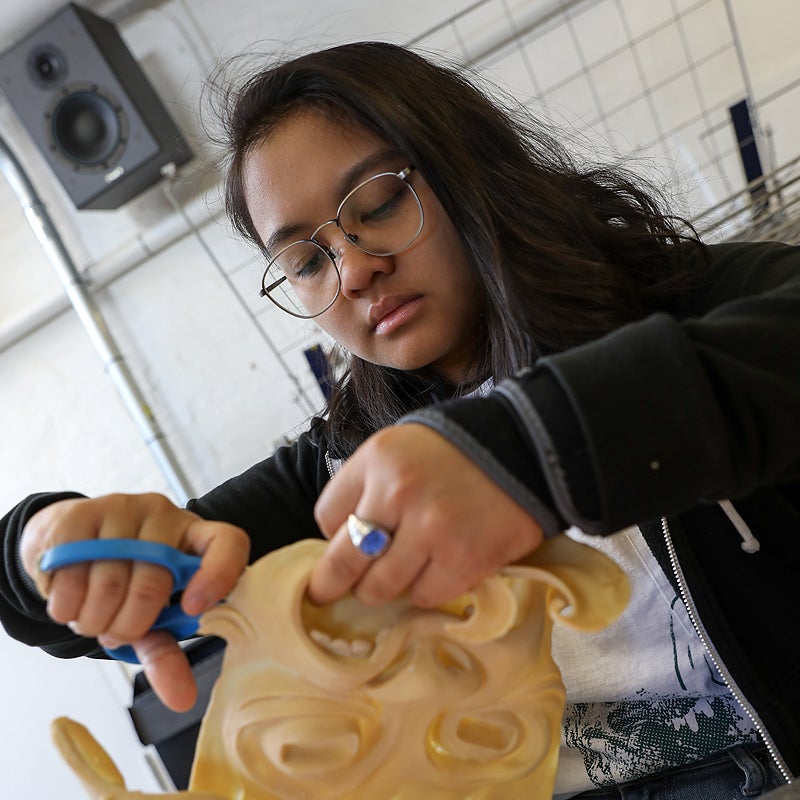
(92, 320)
(126, 257)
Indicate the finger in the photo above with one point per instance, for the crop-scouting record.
(457, 565)
(338, 570)
(105, 590)
(42, 532)
(123, 597)
(61, 523)
(392, 574)
(134, 604)
(339, 497)
(66, 592)
(167, 669)
(225, 550)
(435, 585)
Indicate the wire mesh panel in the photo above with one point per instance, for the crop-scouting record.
(656, 81)
(776, 215)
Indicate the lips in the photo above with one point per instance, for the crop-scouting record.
(381, 311)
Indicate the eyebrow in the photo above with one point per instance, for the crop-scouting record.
(360, 171)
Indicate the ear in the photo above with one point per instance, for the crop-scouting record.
(87, 759)
(588, 590)
(226, 621)
(96, 770)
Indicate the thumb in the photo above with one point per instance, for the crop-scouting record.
(167, 669)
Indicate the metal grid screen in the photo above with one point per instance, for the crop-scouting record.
(652, 81)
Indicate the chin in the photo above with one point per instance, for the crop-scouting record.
(404, 360)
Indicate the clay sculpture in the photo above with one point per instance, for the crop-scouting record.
(349, 702)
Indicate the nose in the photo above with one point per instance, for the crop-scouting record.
(359, 270)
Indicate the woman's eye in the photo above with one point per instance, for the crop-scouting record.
(382, 210)
(307, 267)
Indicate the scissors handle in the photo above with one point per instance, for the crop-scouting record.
(181, 565)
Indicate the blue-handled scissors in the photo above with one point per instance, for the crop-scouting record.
(182, 566)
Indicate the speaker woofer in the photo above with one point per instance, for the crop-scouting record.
(88, 127)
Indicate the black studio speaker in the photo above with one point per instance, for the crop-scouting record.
(90, 109)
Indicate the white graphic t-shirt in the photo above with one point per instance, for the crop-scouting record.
(642, 695)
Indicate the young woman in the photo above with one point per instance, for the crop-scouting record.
(534, 346)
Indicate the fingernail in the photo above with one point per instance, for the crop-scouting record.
(109, 642)
(197, 603)
(74, 627)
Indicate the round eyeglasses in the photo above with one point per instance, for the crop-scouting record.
(382, 216)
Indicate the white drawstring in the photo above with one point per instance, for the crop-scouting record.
(749, 542)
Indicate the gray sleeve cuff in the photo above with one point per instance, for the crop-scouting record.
(509, 461)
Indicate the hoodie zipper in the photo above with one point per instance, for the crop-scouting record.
(717, 661)
(329, 463)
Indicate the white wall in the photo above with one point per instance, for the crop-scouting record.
(223, 386)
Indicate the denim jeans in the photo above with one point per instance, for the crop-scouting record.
(743, 771)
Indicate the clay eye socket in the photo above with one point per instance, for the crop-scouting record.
(492, 745)
(487, 735)
(306, 739)
(303, 746)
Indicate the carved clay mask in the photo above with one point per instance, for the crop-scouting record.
(394, 702)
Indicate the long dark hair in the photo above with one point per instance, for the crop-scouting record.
(564, 253)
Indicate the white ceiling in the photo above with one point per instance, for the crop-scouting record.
(20, 17)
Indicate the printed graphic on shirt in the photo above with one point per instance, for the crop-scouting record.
(624, 740)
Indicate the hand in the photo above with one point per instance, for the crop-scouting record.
(118, 601)
(452, 526)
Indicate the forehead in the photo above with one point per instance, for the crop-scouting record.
(296, 173)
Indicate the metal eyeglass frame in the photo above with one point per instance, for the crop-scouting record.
(350, 237)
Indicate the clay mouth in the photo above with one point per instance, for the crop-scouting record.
(357, 647)
(349, 629)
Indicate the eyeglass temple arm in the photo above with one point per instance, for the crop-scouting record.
(274, 285)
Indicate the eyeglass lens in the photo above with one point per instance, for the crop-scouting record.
(382, 216)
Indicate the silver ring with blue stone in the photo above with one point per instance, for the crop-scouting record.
(369, 539)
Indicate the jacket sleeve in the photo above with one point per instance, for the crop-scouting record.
(658, 415)
(273, 501)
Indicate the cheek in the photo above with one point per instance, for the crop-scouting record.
(339, 324)
(463, 289)
(448, 253)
